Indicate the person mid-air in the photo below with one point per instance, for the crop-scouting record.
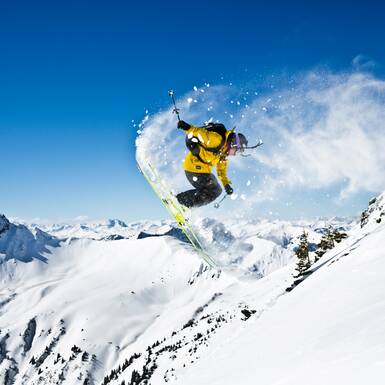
(209, 146)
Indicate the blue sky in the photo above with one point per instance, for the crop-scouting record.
(74, 74)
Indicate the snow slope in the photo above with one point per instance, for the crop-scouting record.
(136, 291)
(145, 308)
(329, 330)
(100, 296)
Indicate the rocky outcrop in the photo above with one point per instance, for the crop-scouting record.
(375, 212)
(20, 243)
(4, 224)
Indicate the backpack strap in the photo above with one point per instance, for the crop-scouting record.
(194, 146)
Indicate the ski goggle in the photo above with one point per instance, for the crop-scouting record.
(237, 146)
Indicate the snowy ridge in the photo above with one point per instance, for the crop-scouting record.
(109, 229)
(19, 243)
(135, 310)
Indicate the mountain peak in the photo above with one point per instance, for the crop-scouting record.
(4, 223)
(115, 222)
(18, 242)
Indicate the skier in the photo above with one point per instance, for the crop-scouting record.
(209, 146)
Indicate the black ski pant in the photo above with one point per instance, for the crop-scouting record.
(206, 190)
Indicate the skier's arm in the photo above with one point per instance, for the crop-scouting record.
(191, 131)
(221, 171)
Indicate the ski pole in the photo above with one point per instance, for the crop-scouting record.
(252, 147)
(176, 109)
(216, 205)
(257, 145)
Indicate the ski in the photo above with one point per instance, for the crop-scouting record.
(176, 210)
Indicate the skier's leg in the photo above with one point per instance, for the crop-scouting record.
(187, 198)
(207, 189)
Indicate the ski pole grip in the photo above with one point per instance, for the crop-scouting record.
(176, 109)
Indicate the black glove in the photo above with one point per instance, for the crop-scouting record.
(183, 125)
(229, 189)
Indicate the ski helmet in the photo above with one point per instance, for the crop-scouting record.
(237, 141)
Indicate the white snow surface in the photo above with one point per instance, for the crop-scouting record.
(79, 314)
(328, 330)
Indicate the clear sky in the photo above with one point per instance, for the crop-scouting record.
(74, 74)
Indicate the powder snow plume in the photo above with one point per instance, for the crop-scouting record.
(321, 131)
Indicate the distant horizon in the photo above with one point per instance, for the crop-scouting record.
(167, 218)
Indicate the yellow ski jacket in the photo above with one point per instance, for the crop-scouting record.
(205, 160)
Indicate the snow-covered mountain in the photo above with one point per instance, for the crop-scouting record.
(112, 228)
(143, 308)
(20, 243)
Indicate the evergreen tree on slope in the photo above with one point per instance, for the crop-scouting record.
(302, 253)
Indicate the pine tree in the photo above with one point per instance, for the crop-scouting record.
(322, 247)
(302, 253)
(135, 377)
(326, 243)
(339, 236)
